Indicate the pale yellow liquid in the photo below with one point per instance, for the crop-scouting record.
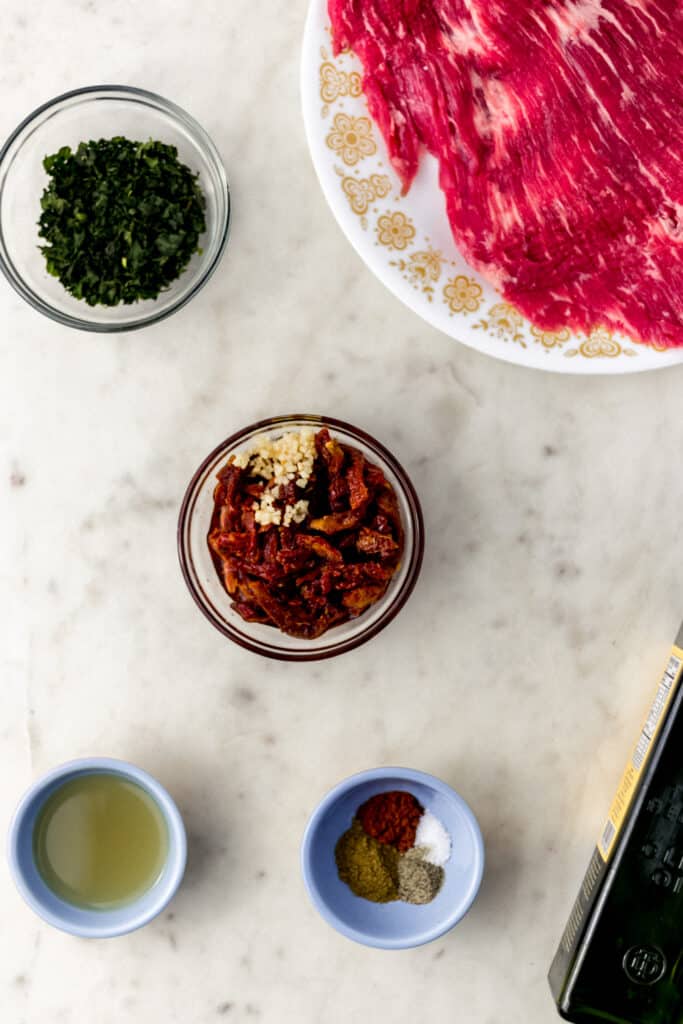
(100, 841)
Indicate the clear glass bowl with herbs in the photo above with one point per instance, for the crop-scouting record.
(208, 590)
(145, 171)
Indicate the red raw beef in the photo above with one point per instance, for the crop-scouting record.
(558, 128)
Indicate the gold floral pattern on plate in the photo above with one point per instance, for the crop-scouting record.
(351, 138)
(362, 192)
(395, 230)
(421, 269)
(601, 344)
(550, 339)
(335, 83)
(462, 294)
(504, 322)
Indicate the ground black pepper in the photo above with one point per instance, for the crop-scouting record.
(418, 880)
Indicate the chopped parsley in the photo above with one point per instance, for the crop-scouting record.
(121, 219)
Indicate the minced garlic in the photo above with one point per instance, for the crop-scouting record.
(265, 511)
(296, 513)
(279, 461)
(288, 457)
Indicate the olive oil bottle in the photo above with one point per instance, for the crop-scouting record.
(621, 956)
(100, 841)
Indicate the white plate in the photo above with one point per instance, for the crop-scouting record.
(406, 240)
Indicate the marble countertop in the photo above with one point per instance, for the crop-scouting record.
(519, 671)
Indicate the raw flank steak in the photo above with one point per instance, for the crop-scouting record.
(558, 127)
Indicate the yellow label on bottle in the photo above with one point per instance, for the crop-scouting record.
(634, 769)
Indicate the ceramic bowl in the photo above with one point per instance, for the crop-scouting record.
(93, 924)
(208, 591)
(99, 112)
(395, 925)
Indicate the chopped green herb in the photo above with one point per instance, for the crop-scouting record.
(121, 219)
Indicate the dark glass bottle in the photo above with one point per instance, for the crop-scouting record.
(621, 959)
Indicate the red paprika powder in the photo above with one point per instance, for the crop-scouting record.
(392, 818)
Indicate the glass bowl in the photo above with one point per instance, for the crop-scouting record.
(93, 113)
(206, 587)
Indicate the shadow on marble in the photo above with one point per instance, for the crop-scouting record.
(501, 878)
(503, 861)
(451, 555)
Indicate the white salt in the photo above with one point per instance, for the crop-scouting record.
(434, 839)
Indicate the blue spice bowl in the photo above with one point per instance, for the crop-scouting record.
(395, 925)
(87, 923)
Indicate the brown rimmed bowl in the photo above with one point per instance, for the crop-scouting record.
(207, 589)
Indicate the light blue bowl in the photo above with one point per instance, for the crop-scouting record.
(396, 925)
(93, 924)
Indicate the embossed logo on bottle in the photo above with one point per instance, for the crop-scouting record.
(644, 965)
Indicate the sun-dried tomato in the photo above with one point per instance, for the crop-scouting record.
(306, 577)
(359, 495)
(337, 492)
(319, 546)
(336, 522)
(361, 598)
(370, 542)
(254, 490)
(229, 477)
(388, 506)
(230, 541)
(230, 578)
(271, 547)
(289, 493)
(248, 520)
(381, 524)
(330, 451)
(362, 572)
(374, 477)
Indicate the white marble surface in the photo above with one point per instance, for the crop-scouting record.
(519, 670)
